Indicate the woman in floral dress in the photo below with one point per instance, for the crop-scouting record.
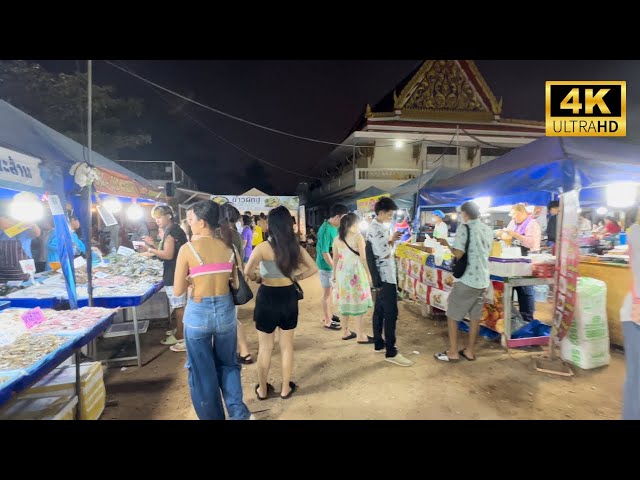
(352, 279)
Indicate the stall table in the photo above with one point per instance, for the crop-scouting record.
(21, 381)
(509, 284)
(430, 284)
(122, 302)
(127, 328)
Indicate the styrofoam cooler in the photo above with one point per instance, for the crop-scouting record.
(586, 355)
(510, 267)
(61, 382)
(47, 408)
(586, 344)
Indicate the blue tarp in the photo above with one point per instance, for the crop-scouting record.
(407, 191)
(351, 201)
(534, 172)
(22, 133)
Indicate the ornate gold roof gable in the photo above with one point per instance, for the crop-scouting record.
(447, 86)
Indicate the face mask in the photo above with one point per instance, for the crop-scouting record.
(239, 226)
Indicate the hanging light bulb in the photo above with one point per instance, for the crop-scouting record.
(26, 207)
(622, 195)
(399, 144)
(483, 203)
(135, 212)
(112, 204)
(601, 211)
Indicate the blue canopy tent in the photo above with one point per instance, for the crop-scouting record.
(536, 172)
(406, 192)
(351, 201)
(24, 134)
(20, 132)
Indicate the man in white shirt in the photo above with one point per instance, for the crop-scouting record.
(385, 314)
(630, 316)
(441, 229)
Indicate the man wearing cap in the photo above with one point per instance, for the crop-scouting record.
(441, 229)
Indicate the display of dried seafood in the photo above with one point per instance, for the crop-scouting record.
(28, 349)
(71, 320)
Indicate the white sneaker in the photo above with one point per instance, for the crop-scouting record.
(399, 360)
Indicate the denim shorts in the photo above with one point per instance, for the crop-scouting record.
(326, 278)
(175, 302)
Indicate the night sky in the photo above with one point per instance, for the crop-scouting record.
(315, 98)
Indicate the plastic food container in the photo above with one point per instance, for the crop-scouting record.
(510, 267)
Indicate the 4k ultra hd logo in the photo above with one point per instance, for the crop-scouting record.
(586, 109)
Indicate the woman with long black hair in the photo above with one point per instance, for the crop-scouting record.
(351, 278)
(210, 323)
(277, 300)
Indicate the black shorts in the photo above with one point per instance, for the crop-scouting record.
(276, 307)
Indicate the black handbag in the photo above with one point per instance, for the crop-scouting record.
(298, 288)
(376, 279)
(243, 293)
(460, 265)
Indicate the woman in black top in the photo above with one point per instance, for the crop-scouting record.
(232, 215)
(173, 238)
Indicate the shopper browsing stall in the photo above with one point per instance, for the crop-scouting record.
(173, 238)
(210, 318)
(326, 235)
(467, 296)
(630, 316)
(385, 315)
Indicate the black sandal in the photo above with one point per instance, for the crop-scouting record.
(333, 326)
(246, 360)
(351, 336)
(270, 390)
(293, 387)
(369, 340)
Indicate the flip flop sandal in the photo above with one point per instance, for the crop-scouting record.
(443, 357)
(270, 391)
(333, 326)
(351, 336)
(335, 319)
(462, 354)
(293, 387)
(246, 360)
(170, 340)
(170, 332)
(369, 340)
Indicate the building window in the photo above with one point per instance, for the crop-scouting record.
(442, 150)
(494, 152)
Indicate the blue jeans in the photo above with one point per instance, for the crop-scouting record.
(527, 302)
(210, 332)
(631, 399)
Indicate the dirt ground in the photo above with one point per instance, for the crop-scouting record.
(342, 380)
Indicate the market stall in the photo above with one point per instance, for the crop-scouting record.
(33, 342)
(567, 168)
(124, 281)
(427, 277)
(64, 160)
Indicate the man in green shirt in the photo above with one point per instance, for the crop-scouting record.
(326, 234)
